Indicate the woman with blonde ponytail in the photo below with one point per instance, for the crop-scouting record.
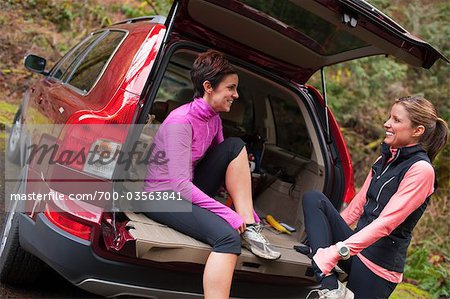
(386, 209)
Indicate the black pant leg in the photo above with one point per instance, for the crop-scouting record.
(367, 285)
(324, 226)
(203, 225)
(209, 173)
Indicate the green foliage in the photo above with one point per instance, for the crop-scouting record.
(63, 13)
(433, 278)
(6, 118)
(409, 291)
(3, 138)
(8, 111)
(147, 8)
(133, 12)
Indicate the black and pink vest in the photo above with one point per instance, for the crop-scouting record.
(390, 251)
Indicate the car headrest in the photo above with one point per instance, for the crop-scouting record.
(160, 110)
(171, 105)
(184, 96)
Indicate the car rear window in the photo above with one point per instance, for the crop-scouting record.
(91, 66)
(326, 38)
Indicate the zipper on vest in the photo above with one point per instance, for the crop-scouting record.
(390, 163)
(379, 192)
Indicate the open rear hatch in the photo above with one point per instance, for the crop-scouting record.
(303, 35)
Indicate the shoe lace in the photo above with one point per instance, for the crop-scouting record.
(257, 229)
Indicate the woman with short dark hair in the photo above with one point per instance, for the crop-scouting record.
(200, 161)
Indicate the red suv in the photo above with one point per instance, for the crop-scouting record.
(110, 92)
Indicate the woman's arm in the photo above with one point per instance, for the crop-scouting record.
(416, 186)
(178, 141)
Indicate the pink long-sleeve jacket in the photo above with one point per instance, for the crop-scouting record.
(185, 136)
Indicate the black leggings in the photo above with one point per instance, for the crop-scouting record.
(202, 224)
(324, 227)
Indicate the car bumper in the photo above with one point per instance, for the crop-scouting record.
(74, 259)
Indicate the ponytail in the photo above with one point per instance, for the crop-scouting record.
(437, 140)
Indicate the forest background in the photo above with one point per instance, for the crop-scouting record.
(360, 94)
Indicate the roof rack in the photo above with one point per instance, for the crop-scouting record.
(153, 19)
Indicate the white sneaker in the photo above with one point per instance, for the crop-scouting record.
(340, 293)
(253, 240)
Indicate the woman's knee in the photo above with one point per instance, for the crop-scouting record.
(234, 145)
(234, 142)
(229, 242)
(312, 198)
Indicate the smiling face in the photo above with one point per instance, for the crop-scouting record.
(221, 98)
(399, 128)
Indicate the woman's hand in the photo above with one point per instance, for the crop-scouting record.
(241, 228)
(326, 258)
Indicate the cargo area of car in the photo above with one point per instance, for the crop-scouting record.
(276, 125)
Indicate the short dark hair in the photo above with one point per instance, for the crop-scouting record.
(209, 66)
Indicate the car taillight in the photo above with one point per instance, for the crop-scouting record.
(99, 165)
(68, 224)
(88, 134)
(76, 217)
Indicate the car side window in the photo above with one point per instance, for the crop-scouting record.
(90, 67)
(291, 131)
(69, 60)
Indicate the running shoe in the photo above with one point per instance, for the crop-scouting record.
(340, 293)
(254, 240)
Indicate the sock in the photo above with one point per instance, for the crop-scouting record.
(304, 249)
(329, 282)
